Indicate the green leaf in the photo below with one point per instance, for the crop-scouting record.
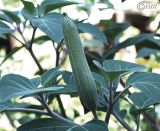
(86, 27)
(49, 5)
(77, 128)
(5, 105)
(12, 16)
(118, 65)
(99, 79)
(118, 111)
(93, 125)
(49, 77)
(96, 125)
(139, 39)
(4, 17)
(148, 83)
(68, 78)
(48, 124)
(29, 10)
(115, 29)
(144, 52)
(15, 50)
(51, 25)
(41, 39)
(112, 69)
(36, 81)
(93, 43)
(13, 85)
(25, 119)
(141, 100)
(5, 29)
(29, 7)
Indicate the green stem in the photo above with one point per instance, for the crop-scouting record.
(36, 61)
(120, 95)
(17, 39)
(95, 115)
(123, 123)
(55, 115)
(110, 106)
(138, 122)
(57, 64)
(61, 106)
(26, 110)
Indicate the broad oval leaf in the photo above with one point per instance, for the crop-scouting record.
(49, 5)
(115, 29)
(12, 16)
(49, 124)
(29, 10)
(51, 25)
(139, 39)
(141, 100)
(41, 39)
(118, 65)
(86, 27)
(28, 7)
(49, 77)
(148, 83)
(96, 125)
(5, 29)
(5, 105)
(13, 85)
(113, 68)
(68, 78)
(5, 18)
(36, 81)
(77, 128)
(145, 52)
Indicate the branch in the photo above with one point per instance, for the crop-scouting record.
(110, 106)
(151, 121)
(138, 122)
(26, 110)
(32, 39)
(36, 61)
(123, 123)
(57, 64)
(120, 95)
(17, 39)
(55, 115)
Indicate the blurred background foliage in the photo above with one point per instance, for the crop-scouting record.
(119, 21)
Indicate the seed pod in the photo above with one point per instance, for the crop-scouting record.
(83, 76)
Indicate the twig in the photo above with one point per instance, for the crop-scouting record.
(55, 115)
(123, 123)
(17, 39)
(95, 115)
(57, 64)
(110, 106)
(36, 61)
(10, 119)
(32, 39)
(26, 110)
(138, 122)
(151, 121)
(120, 94)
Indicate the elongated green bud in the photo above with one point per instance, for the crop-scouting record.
(83, 76)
